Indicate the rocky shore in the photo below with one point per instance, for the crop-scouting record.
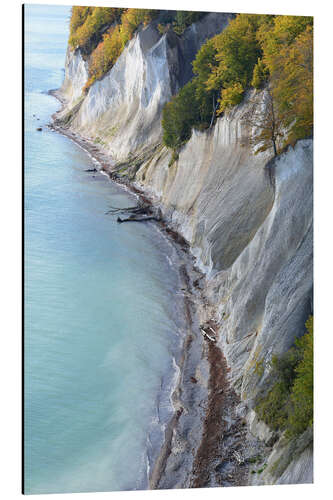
(206, 441)
(245, 247)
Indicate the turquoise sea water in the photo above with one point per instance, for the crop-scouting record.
(103, 313)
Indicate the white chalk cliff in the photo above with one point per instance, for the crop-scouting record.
(247, 216)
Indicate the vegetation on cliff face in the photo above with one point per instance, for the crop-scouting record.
(185, 18)
(101, 33)
(114, 40)
(289, 403)
(274, 52)
(87, 25)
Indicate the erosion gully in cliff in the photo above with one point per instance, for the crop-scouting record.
(244, 243)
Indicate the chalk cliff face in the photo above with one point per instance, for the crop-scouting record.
(243, 223)
(247, 216)
(249, 221)
(222, 178)
(129, 100)
(76, 75)
(242, 219)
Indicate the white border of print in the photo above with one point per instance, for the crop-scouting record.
(10, 248)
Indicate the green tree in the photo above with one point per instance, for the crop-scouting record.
(78, 17)
(231, 96)
(260, 74)
(237, 52)
(104, 56)
(288, 405)
(185, 18)
(206, 100)
(300, 415)
(269, 52)
(288, 55)
(87, 25)
(178, 117)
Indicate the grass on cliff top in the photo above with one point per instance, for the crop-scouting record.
(288, 405)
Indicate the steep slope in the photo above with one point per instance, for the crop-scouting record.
(246, 216)
(76, 75)
(128, 101)
(249, 221)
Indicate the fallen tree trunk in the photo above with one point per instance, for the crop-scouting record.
(136, 219)
(206, 335)
(134, 210)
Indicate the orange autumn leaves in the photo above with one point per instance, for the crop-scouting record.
(101, 33)
(261, 51)
(114, 40)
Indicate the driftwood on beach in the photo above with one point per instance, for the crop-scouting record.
(136, 219)
(132, 210)
(138, 213)
(207, 335)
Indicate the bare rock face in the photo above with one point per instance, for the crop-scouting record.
(76, 75)
(249, 221)
(128, 101)
(248, 217)
(289, 462)
(244, 224)
(229, 191)
(266, 295)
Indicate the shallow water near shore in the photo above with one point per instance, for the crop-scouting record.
(104, 317)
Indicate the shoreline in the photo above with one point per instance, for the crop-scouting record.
(204, 462)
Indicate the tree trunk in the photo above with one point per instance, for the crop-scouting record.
(214, 111)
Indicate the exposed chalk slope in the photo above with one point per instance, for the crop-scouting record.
(128, 100)
(247, 217)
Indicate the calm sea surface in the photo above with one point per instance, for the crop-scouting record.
(103, 313)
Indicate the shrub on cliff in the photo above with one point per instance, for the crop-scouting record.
(102, 32)
(288, 405)
(104, 56)
(87, 25)
(259, 50)
(260, 74)
(194, 105)
(237, 52)
(179, 116)
(300, 415)
(287, 46)
(185, 18)
(222, 69)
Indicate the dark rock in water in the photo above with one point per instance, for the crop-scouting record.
(194, 380)
(91, 170)
(39, 129)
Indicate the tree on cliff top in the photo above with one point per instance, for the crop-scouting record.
(269, 121)
(87, 25)
(104, 56)
(288, 56)
(270, 52)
